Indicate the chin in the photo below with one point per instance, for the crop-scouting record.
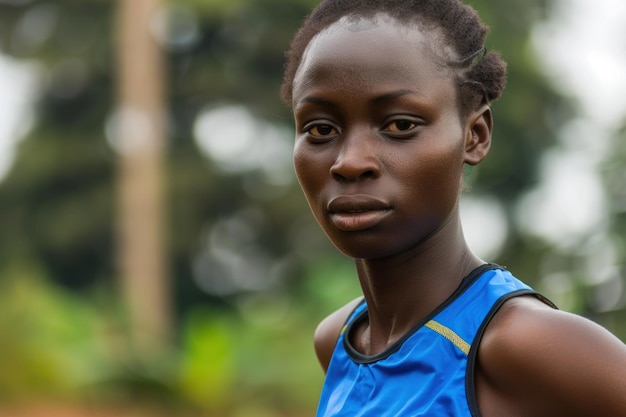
(365, 247)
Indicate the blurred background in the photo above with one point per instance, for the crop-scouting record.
(156, 255)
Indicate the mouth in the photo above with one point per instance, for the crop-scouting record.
(357, 212)
(357, 203)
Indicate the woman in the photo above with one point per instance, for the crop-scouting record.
(391, 99)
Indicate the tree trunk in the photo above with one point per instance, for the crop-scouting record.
(141, 124)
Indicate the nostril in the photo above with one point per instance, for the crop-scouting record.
(368, 175)
(343, 176)
(337, 177)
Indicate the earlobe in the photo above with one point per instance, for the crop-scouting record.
(478, 135)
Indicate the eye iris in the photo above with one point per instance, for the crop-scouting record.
(323, 130)
(402, 125)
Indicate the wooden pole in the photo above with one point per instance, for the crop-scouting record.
(141, 127)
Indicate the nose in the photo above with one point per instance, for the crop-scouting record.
(357, 160)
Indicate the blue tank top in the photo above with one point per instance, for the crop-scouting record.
(429, 371)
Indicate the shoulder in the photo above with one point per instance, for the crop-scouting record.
(328, 331)
(558, 362)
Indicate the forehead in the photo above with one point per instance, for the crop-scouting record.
(371, 53)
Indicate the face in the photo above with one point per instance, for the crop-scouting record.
(380, 147)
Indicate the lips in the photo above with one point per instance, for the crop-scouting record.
(357, 212)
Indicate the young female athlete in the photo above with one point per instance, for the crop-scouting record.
(391, 98)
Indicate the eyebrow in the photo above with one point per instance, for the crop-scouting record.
(315, 100)
(393, 95)
(378, 99)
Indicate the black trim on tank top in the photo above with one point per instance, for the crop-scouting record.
(358, 357)
(470, 372)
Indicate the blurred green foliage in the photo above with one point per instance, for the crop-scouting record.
(58, 346)
(45, 337)
(240, 350)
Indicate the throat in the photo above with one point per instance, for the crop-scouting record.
(372, 341)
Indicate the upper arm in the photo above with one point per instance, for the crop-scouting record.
(557, 362)
(328, 331)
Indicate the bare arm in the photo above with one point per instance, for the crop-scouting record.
(328, 331)
(546, 362)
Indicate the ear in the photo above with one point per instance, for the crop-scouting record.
(478, 135)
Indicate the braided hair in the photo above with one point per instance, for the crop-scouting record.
(480, 75)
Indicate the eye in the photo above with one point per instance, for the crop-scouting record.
(322, 130)
(401, 125)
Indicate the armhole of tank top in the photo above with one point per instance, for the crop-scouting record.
(470, 387)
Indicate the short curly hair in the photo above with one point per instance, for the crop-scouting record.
(480, 75)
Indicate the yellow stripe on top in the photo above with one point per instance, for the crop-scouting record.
(450, 335)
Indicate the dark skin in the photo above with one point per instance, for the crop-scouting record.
(379, 153)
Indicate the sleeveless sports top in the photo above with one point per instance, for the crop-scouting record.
(430, 370)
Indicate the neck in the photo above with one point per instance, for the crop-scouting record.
(403, 289)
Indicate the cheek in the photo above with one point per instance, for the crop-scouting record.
(309, 171)
(300, 164)
(437, 175)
